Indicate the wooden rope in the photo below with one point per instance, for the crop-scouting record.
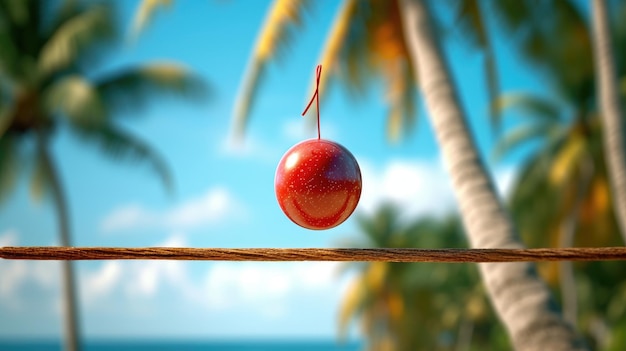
(314, 254)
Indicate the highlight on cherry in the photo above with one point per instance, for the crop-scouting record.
(318, 182)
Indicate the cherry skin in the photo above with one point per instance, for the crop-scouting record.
(318, 184)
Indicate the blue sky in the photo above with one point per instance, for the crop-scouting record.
(223, 195)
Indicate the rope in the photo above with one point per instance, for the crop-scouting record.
(313, 254)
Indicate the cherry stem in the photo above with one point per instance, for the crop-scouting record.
(316, 97)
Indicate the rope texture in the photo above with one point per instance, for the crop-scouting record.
(313, 254)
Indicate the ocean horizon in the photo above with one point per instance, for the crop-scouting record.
(185, 345)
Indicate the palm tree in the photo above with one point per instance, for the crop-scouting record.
(397, 39)
(487, 222)
(568, 168)
(48, 81)
(365, 42)
(610, 108)
(376, 295)
(404, 306)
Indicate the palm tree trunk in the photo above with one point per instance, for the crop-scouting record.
(522, 300)
(69, 287)
(610, 111)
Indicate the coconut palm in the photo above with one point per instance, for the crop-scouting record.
(610, 108)
(567, 126)
(49, 81)
(376, 295)
(400, 35)
(567, 168)
(404, 306)
(485, 219)
(365, 42)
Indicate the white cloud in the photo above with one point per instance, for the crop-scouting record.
(420, 188)
(12, 274)
(19, 276)
(267, 287)
(280, 294)
(215, 206)
(8, 238)
(129, 216)
(101, 282)
(15, 274)
(137, 279)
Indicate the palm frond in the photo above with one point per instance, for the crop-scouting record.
(622, 86)
(382, 226)
(536, 214)
(63, 13)
(351, 305)
(19, 38)
(16, 11)
(144, 14)
(9, 166)
(77, 99)
(523, 134)
(376, 47)
(473, 24)
(131, 88)
(356, 65)
(531, 105)
(273, 39)
(5, 118)
(559, 45)
(74, 37)
(10, 63)
(566, 159)
(121, 145)
(394, 123)
(401, 96)
(330, 54)
(40, 178)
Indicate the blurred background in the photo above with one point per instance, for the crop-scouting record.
(160, 123)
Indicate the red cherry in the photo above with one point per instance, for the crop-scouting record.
(318, 184)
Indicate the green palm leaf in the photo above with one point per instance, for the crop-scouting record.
(530, 105)
(132, 88)
(470, 20)
(16, 12)
(5, 117)
(330, 54)
(274, 38)
(352, 305)
(9, 165)
(40, 182)
(9, 57)
(523, 134)
(560, 47)
(76, 99)
(18, 38)
(120, 145)
(144, 14)
(401, 96)
(73, 37)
